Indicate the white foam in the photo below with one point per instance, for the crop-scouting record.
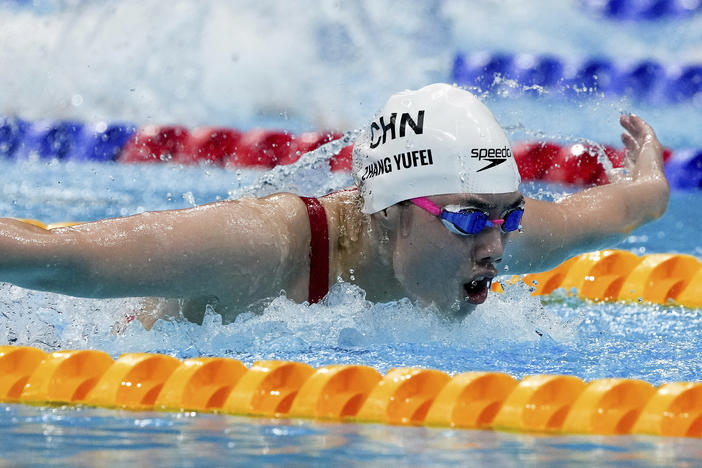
(345, 320)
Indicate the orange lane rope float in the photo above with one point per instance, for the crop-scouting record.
(555, 404)
(618, 275)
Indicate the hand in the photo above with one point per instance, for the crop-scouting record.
(644, 153)
(644, 163)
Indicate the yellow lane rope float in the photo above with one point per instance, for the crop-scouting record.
(555, 404)
(618, 275)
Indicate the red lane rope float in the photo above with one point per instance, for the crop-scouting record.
(154, 143)
(227, 147)
(556, 404)
(577, 164)
(210, 144)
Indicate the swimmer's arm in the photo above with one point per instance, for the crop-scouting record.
(598, 217)
(232, 250)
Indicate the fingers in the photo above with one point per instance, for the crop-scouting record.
(629, 142)
(644, 151)
(638, 133)
(636, 126)
(631, 124)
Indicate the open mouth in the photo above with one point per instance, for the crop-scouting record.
(477, 290)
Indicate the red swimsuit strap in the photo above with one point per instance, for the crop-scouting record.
(319, 250)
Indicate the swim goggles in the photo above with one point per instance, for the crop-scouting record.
(470, 221)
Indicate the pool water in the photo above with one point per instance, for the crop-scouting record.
(514, 333)
(97, 437)
(206, 67)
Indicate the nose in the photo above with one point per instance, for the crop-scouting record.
(489, 245)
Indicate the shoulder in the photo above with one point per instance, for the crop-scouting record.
(281, 214)
(274, 226)
(277, 210)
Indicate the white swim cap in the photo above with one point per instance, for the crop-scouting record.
(437, 140)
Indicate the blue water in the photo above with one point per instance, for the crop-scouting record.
(319, 65)
(96, 437)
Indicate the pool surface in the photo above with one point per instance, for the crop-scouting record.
(96, 437)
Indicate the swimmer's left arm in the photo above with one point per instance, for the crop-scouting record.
(598, 217)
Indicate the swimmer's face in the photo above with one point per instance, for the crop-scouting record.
(451, 271)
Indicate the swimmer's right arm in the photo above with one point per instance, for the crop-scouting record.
(234, 250)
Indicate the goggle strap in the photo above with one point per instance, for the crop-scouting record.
(427, 205)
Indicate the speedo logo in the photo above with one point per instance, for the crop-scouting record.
(494, 156)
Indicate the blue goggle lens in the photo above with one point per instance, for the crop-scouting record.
(513, 220)
(466, 222)
(473, 222)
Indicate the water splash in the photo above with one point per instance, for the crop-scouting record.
(310, 175)
(344, 323)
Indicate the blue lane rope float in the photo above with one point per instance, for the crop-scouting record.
(643, 10)
(646, 80)
(66, 140)
(684, 171)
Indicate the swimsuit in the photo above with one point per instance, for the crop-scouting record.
(319, 250)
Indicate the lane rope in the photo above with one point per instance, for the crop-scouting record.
(573, 164)
(646, 80)
(556, 404)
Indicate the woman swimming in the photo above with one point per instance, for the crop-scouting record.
(436, 208)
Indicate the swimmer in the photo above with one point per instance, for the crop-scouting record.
(435, 212)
